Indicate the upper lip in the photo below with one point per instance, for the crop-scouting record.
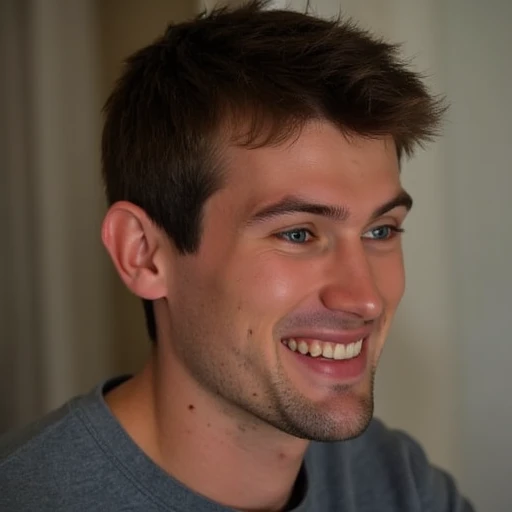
(344, 337)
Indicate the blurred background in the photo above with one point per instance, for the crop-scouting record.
(65, 320)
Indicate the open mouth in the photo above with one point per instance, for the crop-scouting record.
(324, 349)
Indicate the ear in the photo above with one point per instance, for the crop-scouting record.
(135, 246)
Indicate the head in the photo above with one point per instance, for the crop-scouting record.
(263, 148)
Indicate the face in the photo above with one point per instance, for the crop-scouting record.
(283, 312)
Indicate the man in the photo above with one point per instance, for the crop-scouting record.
(251, 161)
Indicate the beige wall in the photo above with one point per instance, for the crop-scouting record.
(477, 69)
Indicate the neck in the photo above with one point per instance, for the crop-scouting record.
(208, 445)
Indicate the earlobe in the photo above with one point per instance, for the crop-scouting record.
(133, 243)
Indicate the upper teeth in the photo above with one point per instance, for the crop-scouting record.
(325, 349)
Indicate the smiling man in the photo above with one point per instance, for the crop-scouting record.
(252, 166)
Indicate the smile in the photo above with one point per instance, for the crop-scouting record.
(328, 350)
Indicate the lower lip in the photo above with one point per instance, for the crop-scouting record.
(346, 371)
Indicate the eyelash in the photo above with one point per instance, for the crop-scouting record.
(394, 232)
(282, 235)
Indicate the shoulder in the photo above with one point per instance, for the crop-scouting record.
(390, 465)
(37, 439)
(36, 459)
(66, 433)
(56, 463)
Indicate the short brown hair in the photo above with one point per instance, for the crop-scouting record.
(263, 72)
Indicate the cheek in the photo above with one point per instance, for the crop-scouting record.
(272, 283)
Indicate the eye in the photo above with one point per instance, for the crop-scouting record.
(383, 233)
(296, 236)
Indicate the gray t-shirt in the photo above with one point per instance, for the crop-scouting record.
(79, 458)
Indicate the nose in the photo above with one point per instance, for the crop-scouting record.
(350, 284)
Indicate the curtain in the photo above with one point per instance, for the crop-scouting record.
(54, 303)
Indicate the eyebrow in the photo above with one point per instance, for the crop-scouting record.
(402, 199)
(292, 204)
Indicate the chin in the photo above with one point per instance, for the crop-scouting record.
(346, 414)
(350, 419)
(351, 422)
(345, 417)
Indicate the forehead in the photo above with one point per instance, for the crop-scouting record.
(320, 161)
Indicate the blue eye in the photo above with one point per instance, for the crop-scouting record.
(383, 232)
(296, 236)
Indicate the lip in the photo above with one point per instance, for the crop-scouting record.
(345, 371)
(343, 337)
